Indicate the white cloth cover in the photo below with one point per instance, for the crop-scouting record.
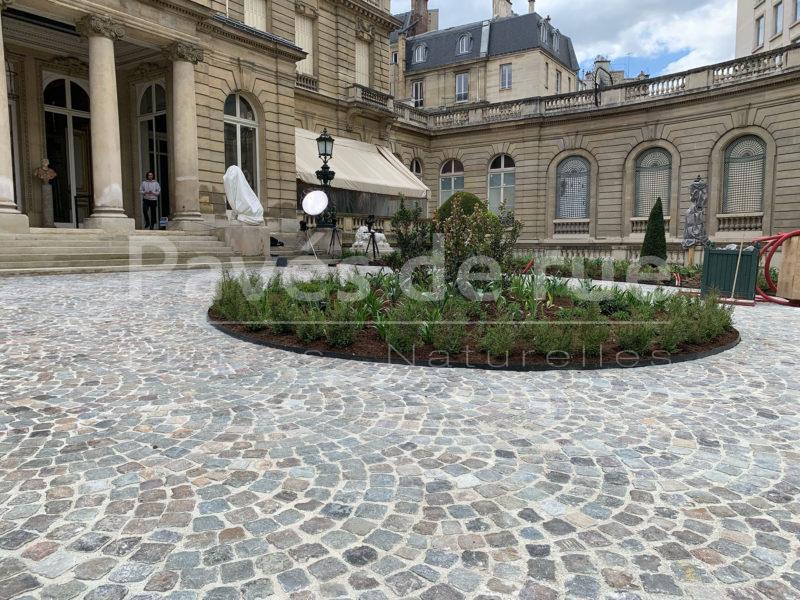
(243, 200)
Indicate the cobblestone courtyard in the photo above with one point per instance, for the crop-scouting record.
(145, 455)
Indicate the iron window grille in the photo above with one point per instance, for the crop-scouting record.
(745, 170)
(572, 188)
(653, 180)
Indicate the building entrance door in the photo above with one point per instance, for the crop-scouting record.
(68, 142)
(153, 142)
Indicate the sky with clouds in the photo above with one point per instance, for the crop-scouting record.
(654, 36)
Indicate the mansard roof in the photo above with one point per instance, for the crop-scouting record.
(505, 35)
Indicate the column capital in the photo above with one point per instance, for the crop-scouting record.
(100, 25)
(184, 51)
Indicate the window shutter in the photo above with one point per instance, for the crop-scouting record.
(255, 14)
(304, 37)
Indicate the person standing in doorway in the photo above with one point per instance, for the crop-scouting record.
(150, 191)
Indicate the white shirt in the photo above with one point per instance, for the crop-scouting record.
(150, 190)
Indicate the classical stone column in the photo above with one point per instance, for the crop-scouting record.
(186, 168)
(11, 220)
(109, 213)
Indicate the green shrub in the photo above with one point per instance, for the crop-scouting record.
(402, 326)
(655, 238)
(340, 328)
(636, 338)
(590, 332)
(500, 337)
(672, 334)
(413, 234)
(468, 203)
(280, 312)
(310, 326)
(552, 337)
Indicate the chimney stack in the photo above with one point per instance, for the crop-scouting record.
(501, 8)
(531, 6)
(419, 8)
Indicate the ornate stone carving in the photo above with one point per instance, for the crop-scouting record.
(92, 25)
(696, 215)
(365, 30)
(146, 69)
(69, 65)
(302, 8)
(184, 51)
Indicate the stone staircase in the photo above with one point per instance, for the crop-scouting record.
(44, 251)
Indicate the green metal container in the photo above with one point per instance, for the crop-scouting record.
(719, 272)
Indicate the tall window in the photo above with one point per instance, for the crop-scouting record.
(556, 41)
(546, 75)
(502, 180)
(418, 93)
(153, 140)
(451, 180)
(462, 87)
(572, 188)
(241, 138)
(416, 167)
(777, 13)
(505, 77)
(393, 60)
(653, 180)
(255, 14)
(362, 62)
(745, 164)
(304, 37)
(464, 44)
(558, 81)
(760, 31)
(420, 53)
(797, 10)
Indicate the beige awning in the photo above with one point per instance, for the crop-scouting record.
(359, 166)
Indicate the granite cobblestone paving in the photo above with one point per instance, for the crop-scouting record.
(145, 455)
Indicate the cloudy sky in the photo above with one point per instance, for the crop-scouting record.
(655, 36)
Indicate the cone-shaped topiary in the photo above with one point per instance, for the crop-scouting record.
(655, 239)
(469, 204)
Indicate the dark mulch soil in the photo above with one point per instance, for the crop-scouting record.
(368, 346)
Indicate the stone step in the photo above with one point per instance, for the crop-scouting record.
(112, 247)
(233, 261)
(53, 257)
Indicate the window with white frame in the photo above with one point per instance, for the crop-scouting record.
(653, 181)
(546, 75)
(462, 87)
(418, 93)
(777, 13)
(744, 172)
(362, 62)
(797, 10)
(416, 167)
(760, 23)
(558, 81)
(241, 138)
(572, 188)
(451, 179)
(394, 58)
(502, 182)
(464, 44)
(556, 41)
(505, 76)
(420, 54)
(255, 14)
(304, 37)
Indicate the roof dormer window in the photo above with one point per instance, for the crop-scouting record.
(556, 40)
(464, 44)
(420, 53)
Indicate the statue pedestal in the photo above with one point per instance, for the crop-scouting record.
(47, 205)
(690, 257)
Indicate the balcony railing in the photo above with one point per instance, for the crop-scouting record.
(740, 222)
(639, 224)
(774, 62)
(307, 82)
(571, 227)
(370, 97)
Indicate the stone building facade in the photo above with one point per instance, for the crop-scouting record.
(765, 25)
(188, 88)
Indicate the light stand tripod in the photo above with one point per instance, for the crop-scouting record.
(305, 230)
(373, 242)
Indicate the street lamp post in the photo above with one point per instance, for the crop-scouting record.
(326, 175)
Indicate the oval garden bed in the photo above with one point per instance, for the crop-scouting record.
(520, 323)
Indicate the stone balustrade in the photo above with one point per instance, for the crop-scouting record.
(348, 223)
(740, 222)
(639, 224)
(732, 72)
(307, 82)
(370, 97)
(571, 226)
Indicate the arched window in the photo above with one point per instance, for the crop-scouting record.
(241, 138)
(451, 180)
(745, 164)
(653, 180)
(416, 167)
(502, 179)
(464, 44)
(420, 53)
(572, 188)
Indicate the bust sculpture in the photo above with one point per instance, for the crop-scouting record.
(44, 173)
(696, 215)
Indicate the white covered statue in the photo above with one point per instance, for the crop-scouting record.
(246, 206)
(362, 241)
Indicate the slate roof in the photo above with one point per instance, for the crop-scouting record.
(264, 35)
(506, 35)
(406, 20)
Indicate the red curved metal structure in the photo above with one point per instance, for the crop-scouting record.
(770, 247)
